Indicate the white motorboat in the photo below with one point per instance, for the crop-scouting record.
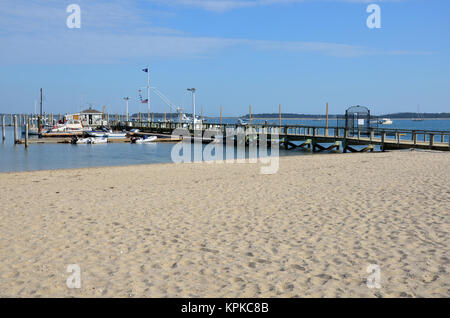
(242, 122)
(385, 121)
(97, 141)
(89, 141)
(97, 134)
(71, 125)
(118, 135)
(105, 133)
(81, 141)
(143, 140)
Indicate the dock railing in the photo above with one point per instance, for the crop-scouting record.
(377, 135)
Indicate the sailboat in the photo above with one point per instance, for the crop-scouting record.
(418, 118)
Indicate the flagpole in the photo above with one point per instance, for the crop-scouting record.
(148, 93)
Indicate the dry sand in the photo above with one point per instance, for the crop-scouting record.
(222, 230)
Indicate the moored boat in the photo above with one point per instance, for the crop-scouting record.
(143, 140)
(89, 140)
(105, 133)
(97, 140)
(385, 121)
(69, 126)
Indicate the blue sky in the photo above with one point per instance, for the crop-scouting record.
(298, 53)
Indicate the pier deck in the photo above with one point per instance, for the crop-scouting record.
(340, 137)
(314, 138)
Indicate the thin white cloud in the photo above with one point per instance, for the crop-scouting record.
(228, 5)
(95, 48)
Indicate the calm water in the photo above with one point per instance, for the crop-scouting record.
(64, 156)
(67, 156)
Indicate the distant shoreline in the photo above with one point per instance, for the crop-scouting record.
(315, 118)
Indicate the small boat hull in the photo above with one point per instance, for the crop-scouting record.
(94, 141)
(89, 141)
(103, 134)
(146, 140)
(143, 140)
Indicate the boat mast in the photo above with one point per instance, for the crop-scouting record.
(40, 114)
(193, 103)
(127, 99)
(148, 93)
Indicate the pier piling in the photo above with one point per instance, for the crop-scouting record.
(3, 129)
(15, 129)
(26, 135)
(279, 111)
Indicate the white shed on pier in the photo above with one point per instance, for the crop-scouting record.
(88, 117)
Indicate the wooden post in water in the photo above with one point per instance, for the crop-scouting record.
(326, 123)
(3, 128)
(179, 111)
(250, 114)
(26, 135)
(279, 110)
(15, 129)
(221, 117)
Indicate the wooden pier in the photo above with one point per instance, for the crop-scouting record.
(309, 138)
(317, 138)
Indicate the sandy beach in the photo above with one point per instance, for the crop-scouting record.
(225, 230)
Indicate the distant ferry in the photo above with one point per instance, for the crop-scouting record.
(385, 121)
